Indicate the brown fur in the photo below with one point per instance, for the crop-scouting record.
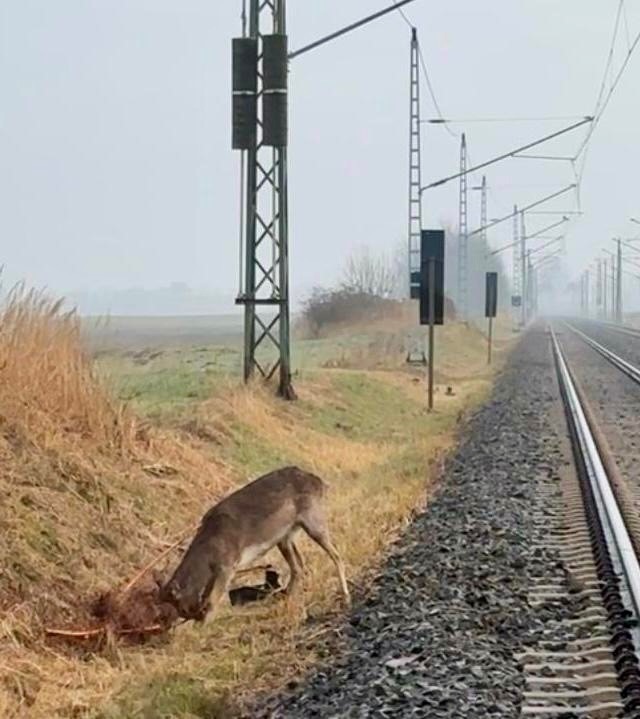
(244, 526)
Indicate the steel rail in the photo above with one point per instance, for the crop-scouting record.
(630, 370)
(616, 535)
(616, 327)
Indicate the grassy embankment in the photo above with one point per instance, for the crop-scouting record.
(92, 489)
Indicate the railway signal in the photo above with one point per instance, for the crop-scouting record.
(491, 306)
(431, 294)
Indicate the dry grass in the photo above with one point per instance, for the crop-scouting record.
(47, 382)
(91, 493)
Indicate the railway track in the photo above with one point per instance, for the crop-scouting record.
(595, 531)
(615, 327)
(517, 592)
(629, 369)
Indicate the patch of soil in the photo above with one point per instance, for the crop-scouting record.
(137, 611)
(134, 615)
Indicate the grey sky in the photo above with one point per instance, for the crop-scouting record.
(116, 168)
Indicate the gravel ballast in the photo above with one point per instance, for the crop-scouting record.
(438, 633)
(614, 397)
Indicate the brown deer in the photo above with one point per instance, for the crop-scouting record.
(244, 526)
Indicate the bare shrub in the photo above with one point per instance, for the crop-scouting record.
(330, 307)
(368, 274)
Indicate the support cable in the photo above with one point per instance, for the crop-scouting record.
(348, 28)
(506, 155)
(523, 209)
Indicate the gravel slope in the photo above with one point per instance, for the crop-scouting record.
(437, 635)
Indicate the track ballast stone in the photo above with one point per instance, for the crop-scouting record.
(438, 634)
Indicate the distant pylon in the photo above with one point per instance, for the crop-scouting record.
(517, 264)
(483, 212)
(463, 236)
(524, 278)
(599, 289)
(415, 174)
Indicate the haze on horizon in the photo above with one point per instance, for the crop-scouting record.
(117, 169)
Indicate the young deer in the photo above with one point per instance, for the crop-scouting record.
(244, 526)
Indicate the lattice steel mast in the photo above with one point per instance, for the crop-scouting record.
(483, 212)
(415, 183)
(517, 265)
(524, 279)
(261, 129)
(463, 236)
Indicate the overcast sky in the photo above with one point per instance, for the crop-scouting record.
(115, 161)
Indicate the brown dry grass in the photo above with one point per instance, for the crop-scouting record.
(88, 491)
(91, 493)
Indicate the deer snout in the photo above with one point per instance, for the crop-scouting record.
(188, 605)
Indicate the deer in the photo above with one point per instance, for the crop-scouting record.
(244, 526)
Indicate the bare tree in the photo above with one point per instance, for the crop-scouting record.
(368, 274)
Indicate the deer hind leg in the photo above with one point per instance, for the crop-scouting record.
(315, 525)
(289, 552)
(299, 559)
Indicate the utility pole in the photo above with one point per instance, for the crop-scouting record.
(587, 279)
(483, 211)
(260, 118)
(463, 236)
(613, 287)
(415, 179)
(523, 259)
(483, 218)
(605, 290)
(599, 289)
(619, 284)
(516, 278)
(529, 303)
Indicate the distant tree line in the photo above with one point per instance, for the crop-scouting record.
(373, 284)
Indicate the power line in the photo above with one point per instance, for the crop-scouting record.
(511, 153)
(348, 28)
(626, 25)
(612, 46)
(432, 93)
(602, 104)
(441, 120)
(522, 210)
(405, 18)
(427, 77)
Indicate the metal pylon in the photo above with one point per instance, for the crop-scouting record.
(463, 236)
(265, 294)
(524, 275)
(415, 178)
(483, 212)
(516, 280)
(415, 342)
(599, 288)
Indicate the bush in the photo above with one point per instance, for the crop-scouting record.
(327, 307)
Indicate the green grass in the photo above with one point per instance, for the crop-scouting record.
(170, 697)
(163, 383)
(368, 409)
(253, 454)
